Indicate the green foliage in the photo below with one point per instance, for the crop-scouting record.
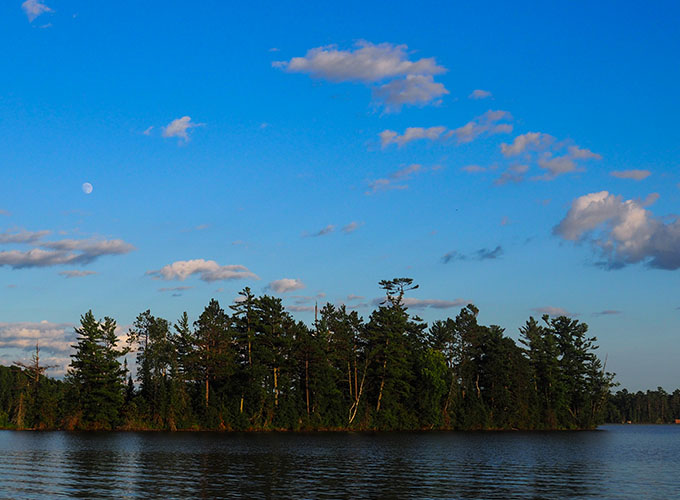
(256, 368)
(95, 376)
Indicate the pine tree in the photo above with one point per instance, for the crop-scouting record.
(96, 376)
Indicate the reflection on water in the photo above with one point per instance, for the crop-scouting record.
(616, 462)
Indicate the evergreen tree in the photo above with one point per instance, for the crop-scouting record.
(95, 375)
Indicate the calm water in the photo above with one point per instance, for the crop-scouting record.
(614, 462)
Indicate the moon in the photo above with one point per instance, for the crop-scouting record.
(87, 188)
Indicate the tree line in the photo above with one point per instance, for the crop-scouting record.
(253, 367)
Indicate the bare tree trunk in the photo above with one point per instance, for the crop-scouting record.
(20, 412)
(355, 406)
(207, 390)
(450, 395)
(349, 379)
(382, 379)
(307, 383)
(276, 387)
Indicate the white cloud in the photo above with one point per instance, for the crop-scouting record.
(148, 130)
(390, 183)
(531, 141)
(180, 127)
(479, 94)
(286, 285)
(368, 63)
(34, 8)
(407, 172)
(556, 158)
(623, 230)
(22, 236)
(486, 124)
(388, 137)
(553, 311)
(636, 175)
(208, 270)
(414, 89)
(514, 174)
(558, 165)
(5, 212)
(53, 337)
(300, 308)
(90, 249)
(76, 274)
(60, 252)
(407, 82)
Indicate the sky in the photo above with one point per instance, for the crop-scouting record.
(521, 156)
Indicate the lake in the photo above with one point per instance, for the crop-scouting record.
(615, 461)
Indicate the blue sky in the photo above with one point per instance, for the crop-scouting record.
(523, 157)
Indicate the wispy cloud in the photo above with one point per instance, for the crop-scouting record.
(474, 169)
(330, 228)
(531, 141)
(175, 289)
(300, 308)
(34, 9)
(487, 124)
(388, 137)
(351, 227)
(414, 303)
(395, 179)
(555, 158)
(623, 231)
(565, 163)
(76, 274)
(481, 254)
(385, 68)
(305, 299)
(636, 175)
(58, 252)
(553, 311)
(434, 303)
(22, 236)
(207, 270)
(286, 285)
(608, 312)
(180, 128)
(479, 94)
(514, 174)
(414, 89)
(490, 123)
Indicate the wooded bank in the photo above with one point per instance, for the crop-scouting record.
(253, 367)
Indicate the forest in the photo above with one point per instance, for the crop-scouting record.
(252, 367)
